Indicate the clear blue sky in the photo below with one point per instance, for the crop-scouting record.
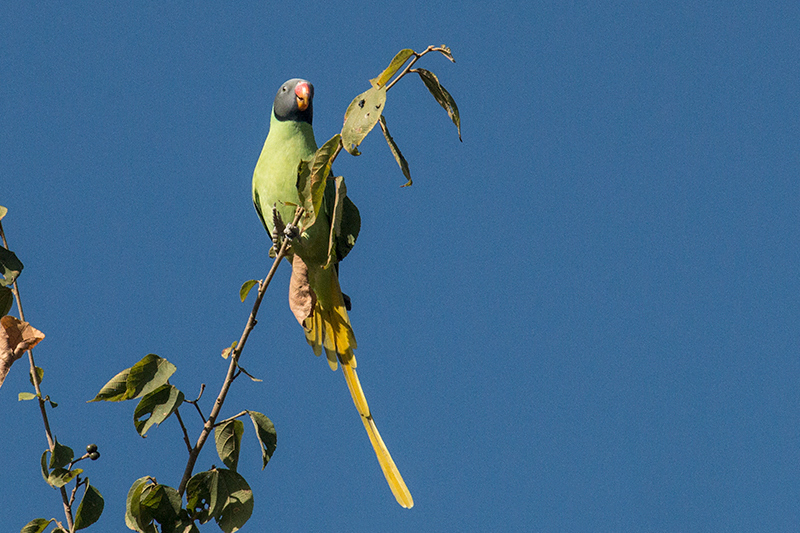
(582, 318)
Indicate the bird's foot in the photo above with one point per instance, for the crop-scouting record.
(291, 232)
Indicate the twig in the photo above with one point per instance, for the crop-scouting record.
(232, 366)
(42, 404)
(234, 417)
(185, 433)
(417, 55)
(196, 404)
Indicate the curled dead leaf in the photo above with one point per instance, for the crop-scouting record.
(15, 338)
(301, 296)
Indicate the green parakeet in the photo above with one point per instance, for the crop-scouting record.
(315, 296)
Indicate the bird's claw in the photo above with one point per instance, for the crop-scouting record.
(291, 232)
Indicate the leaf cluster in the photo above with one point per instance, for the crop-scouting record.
(58, 470)
(222, 495)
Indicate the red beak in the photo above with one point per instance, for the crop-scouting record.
(303, 94)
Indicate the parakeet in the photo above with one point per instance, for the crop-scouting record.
(315, 296)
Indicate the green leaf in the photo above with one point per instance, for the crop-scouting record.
(39, 375)
(396, 152)
(202, 496)
(10, 267)
(3, 211)
(340, 193)
(312, 181)
(45, 470)
(156, 406)
(138, 518)
(37, 525)
(23, 396)
(266, 434)
(441, 95)
(150, 373)
(220, 494)
(90, 509)
(6, 300)
(163, 504)
(304, 187)
(361, 116)
(238, 501)
(398, 61)
(116, 390)
(61, 476)
(246, 286)
(61, 457)
(228, 437)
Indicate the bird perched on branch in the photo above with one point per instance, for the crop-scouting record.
(314, 293)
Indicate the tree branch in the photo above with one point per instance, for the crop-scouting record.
(39, 396)
(232, 366)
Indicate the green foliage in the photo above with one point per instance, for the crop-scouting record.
(39, 375)
(58, 476)
(142, 378)
(222, 495)
(61, 456)
(90, 508)
(396, 152)
(137, 517)
(398, 61)
(156, 406)
(10, 267)
(312, 179)
(340, 193)
(361, 116)
(228, 438)
(267, 437)
(441, 95)
(37, 525)
(6, 300)
(246, 286)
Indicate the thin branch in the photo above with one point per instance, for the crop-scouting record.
(417, 55)
(197, 405)
(39, 396)
(251, 322)
(185, 433)
(234, 417)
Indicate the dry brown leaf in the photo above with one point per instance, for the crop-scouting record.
(15, 338)
(301, 297)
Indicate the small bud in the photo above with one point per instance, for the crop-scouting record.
(91, 448)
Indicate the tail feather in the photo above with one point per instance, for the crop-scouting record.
(390, 471)
(329, 327)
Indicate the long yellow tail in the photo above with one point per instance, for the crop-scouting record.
(329, 327)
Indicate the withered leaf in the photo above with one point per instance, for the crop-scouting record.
(301, 296)
(15, 338)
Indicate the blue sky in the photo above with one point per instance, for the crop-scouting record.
(583, 317)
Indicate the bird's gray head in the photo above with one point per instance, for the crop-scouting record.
(295, 101)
